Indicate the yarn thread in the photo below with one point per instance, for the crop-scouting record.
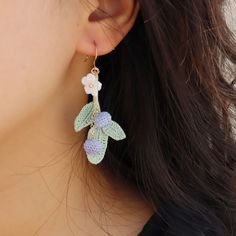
(101, 124)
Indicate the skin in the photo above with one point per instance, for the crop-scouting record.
(43, 47)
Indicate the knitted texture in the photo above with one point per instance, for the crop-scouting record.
(114, 131)
(84, 118)
(102, 119)
(91, 84)
(101, 124)
(97, 133)
(92, 146)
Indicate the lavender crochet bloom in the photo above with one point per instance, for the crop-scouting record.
(102, 119)
(92, 147)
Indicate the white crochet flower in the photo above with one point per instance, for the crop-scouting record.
(91, 84)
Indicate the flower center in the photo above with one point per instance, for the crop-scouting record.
(91, 85)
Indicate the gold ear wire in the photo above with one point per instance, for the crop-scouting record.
(95, 70)
(96, 56)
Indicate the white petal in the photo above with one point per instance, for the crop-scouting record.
(84, 80)
(94, 92)
(88, 90)
(99, 85)
(91, 76)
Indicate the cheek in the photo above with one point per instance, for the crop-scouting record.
(36, 45)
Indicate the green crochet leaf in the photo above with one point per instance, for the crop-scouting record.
(84, 118)
(96, 133)
(115, 131)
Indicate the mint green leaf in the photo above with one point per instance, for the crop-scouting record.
(115, 131)
(84, 118)
(96, 133)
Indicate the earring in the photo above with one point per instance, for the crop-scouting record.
(101, 124)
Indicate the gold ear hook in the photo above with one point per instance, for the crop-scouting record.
(95, 70)
(96, 56)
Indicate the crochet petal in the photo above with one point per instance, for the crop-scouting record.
(84, 80)
(94, 92)
(115, 131)
(88, 90)
(84, 118)
(99, 85)
(89, 78)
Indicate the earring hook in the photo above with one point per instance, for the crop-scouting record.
(95, 70)
(96, 56)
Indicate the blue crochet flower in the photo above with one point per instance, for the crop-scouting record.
(92, 147)
(102, 120)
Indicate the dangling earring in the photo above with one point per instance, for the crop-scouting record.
(101, 124)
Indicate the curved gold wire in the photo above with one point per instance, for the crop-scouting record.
(95, 70)
(96, 56)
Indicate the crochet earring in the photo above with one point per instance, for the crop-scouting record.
(101, 124)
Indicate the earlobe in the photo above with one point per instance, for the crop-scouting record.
(107, 25)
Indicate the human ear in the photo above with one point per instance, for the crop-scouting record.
(105, 24)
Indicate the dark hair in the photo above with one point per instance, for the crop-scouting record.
(168, 84)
